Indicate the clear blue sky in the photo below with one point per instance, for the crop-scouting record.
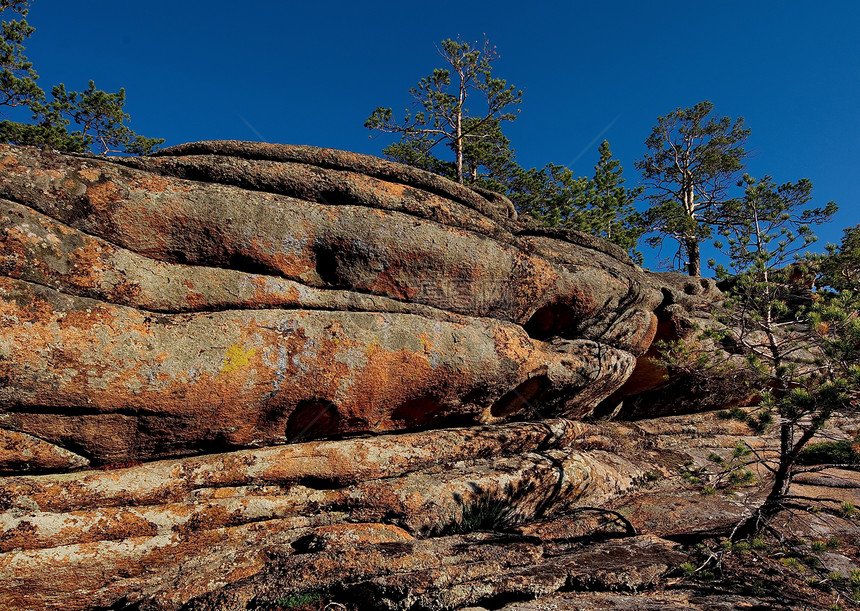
(312, 72)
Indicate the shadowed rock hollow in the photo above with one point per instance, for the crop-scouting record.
(198, 309)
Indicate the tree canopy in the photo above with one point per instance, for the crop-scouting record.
(841, 268)
(96, 117)
(443, 115)
(483, 155)
(609, 209)
(600, 205)
(693, 158)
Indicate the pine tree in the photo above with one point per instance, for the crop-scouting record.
(841, 268)
(549, 196)
(18, 78)
(488, 162)
(693, 159)
(483, 157)
(608, 209)
(599, 206)
(444, 116)
(792, 338)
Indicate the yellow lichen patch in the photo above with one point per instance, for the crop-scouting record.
(236, 359)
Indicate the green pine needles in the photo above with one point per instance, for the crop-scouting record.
(68, 121)
(442, 115)
(796, 344)
(463, 107)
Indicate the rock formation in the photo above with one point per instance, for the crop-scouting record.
(225, 295)
(201, 350)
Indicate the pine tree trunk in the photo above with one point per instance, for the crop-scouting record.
(694, 263)
(781, 482)
(691, 242)
(770, 507)
(459, 162)
(458, 133)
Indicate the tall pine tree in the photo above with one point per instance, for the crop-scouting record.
(608, 209)
(443, 116)
(798, 348)
(693, 158)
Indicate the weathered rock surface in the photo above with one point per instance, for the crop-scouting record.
(169, 531)
(385, 522)
(225, 295)
(289, 370)
(372, 516)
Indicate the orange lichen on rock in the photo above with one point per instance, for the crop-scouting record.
(104, 194)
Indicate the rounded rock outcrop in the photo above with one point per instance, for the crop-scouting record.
(225, 294)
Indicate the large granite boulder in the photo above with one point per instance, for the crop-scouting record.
(224, 294)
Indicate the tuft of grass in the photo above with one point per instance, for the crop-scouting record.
(847, 509)
(854, 578)
(819, 546)
(792, 563)
(834, 543)
(296, 601)
(708, 490)
(759, 543)
(742, 477)
(485, 514)
(811, 561)
(735, 413)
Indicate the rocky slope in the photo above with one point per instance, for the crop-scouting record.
(232, 372)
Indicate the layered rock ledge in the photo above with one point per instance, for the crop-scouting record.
(234, 370)
(225, 295)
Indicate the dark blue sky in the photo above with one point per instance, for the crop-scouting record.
(311, 72)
